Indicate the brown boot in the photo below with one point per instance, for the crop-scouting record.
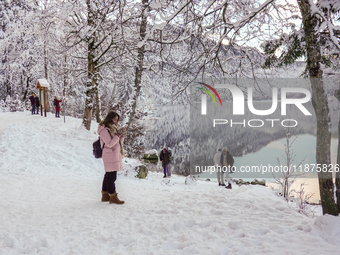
(105, 196)
(114, 199)
(229, 186)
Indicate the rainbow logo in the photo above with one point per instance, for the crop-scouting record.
(208, 92)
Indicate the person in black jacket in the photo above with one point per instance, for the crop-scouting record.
(32, 99)
(168, 167)
(164, 156)
(227, 162)
(37, 103)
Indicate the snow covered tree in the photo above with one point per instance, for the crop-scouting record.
(6, 16)
(318, 41)
(337, 174)
(288, 176)
(16, 105)
(25, 41)
(93, 25)
(215, 27)
(302, 201)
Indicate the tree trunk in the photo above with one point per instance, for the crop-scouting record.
(90, 86)
(7, 81)
(91, 71)
(140, 60)
(23, 88)
(64, 89)
(98, 106)
(46, 76)
(337, 174)
(323, 142)
(26, 90)
(285, 189)
(45, 61)
(319, 101)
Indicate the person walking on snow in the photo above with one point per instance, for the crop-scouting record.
(164, 156)
(219, 172)
(37, 103)
(32, 99)
(227, 161)
(168, 167)
(56, 103)
(111, 140)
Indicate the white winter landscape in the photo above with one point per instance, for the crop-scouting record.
(50, 204)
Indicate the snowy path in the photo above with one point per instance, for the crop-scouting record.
(9, 119)
(50, 204)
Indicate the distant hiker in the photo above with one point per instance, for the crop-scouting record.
(161, 159)
(218, 167)
(168, 167)
(32, 99)
(111, 140)
(56, 104)
(164, 156)
(227, 162)
(37, 103)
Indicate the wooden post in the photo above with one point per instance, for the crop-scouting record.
(45, 103)
(41, 106)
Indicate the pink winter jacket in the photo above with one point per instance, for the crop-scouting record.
(112, 157)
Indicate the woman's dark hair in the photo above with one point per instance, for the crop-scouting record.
(108, 119)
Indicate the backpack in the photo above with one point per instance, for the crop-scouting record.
(97, 149)
(55, 103)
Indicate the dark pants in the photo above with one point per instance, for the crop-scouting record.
(33, 108)
(109, 182)
(164, 170)
(37, 109)
(57, 114)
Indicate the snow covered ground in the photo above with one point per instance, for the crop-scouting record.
(50, 204)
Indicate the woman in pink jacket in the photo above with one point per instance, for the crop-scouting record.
(112, 139)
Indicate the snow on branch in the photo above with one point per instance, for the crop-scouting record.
(240, 23)
(325, 10)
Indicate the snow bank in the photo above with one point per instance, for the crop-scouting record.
(50, 204)
(330, 225)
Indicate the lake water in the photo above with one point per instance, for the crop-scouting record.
(173, 127)
(268, 155)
